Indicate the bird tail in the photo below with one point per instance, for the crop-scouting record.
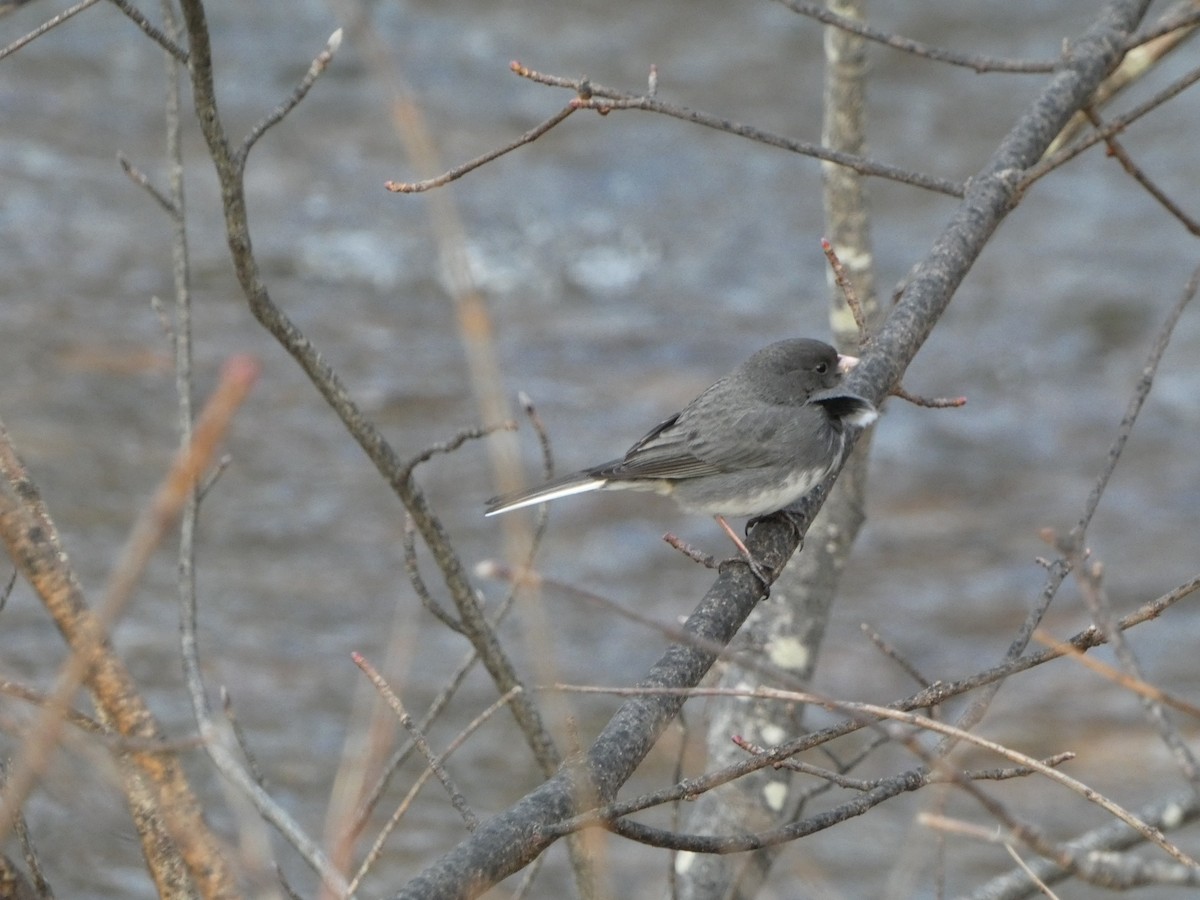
(575, 483)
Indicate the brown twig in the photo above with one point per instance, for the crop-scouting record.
(8, 589)
(467, 434)
(1137, 685)
(1116, 125)
(695, 554)
(926, 51)
(1118, 152)
(457, 800)
(604, 100)
(929, 402)
(848, 292)
(882, 645)
(394, 820)
(230, 170)
(882, 712)
(1143, 51)
(416, 187)
(142, 180)
(46, 26)
(935, 695)
(319, 64)
(33, 540)
(135, 15)
(418, 583)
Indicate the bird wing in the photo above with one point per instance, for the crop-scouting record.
(661, 453)
(681, 447)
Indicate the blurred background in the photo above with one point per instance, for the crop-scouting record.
(627, 261)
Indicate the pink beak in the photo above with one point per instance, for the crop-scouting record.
(846, 363)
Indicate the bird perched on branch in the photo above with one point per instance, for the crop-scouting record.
(757, 441)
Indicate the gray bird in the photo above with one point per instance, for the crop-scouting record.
(755, 442)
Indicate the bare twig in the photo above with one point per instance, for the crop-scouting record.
(416, 187)
(932, 696)
(135, 15)
(871, 710)
(1171, 814)
(418, 583)
(1088, 574)
(1125, 429)
(457, 800)
(459, 739)
(603, 100)
(1183, 15)
(884, 647)
(1118, 152)
(847, 288)
(8, 589)
(138, 177)
(693, 553)
(319, 64)
(929, 402)
(230, 169)
(467, 434)
(1143, 51)
(926, 51)
(1115, 126)
(33, 541)
(1137, 685)
(46, 26)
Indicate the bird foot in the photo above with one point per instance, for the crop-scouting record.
(756, 568)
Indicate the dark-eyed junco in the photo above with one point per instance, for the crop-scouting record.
(755, 442)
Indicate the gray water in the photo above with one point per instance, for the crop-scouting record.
(627, 261)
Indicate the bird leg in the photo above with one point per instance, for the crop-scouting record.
(759, 572)
(796, 515)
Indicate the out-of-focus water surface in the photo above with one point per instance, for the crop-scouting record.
(627, 261)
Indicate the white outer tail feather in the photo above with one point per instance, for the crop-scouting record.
(545, 496)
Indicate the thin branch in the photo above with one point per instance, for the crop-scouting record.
(8, 589)
(139, 19)
(318, 66)
(1088, 574)
(416, 187)
(142, 180)
(847, 288)
(929, 402)
(46, 26)
(1137, 685)
(882, 645)
(461, 738)
(1169, 815)
(467, 434)
(419, 586)
(1143, 52)
(1184, 15)
(926, 51)
(1118, 152)
(457, 800)
(1115, 126)
(230, 170)
(913, 781)
(588, 91)
(158, 784)
(1125, 429)
(935, 695)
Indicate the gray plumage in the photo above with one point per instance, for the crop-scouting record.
(755, 442)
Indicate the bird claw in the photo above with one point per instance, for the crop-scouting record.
(756, 569)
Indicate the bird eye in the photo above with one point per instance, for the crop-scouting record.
(822, 368)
